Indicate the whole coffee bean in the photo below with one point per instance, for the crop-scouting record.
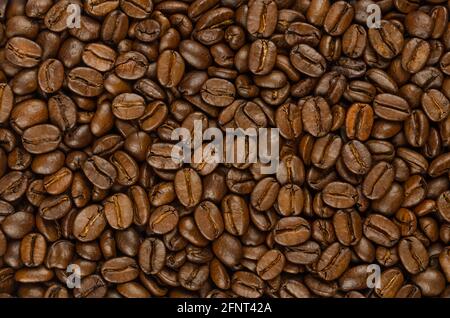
(413, 255)
(316, 116)
(431, 282)
(307, 60)
(152, 254)
(218, 92)
(89, 223)
(209, 220)
(435, 105)
(270, 265)
(359, 121)
(128, 106)
(85, 81)
(338, 18)
(131, 65)
(378, 180)
(188, 187)
(51, 75)
(356, 157)
(391, 281)
(264, 194)
(41, 138)
(391, 107)
(247, 284)
(23, 52)
(228, 249)
(33, 248)
(340, 195)
(235, 214)
(170, 68)
(120, 270)
(163, 220)
(118, 211)
(333, 261)
(195, 54)
(290, 200)
(387, 40)
(100, 172)
(348, 227)
(13, 185)
(262, 57)
(291, 231)
(55, 207)
(415, 55)
(62, 111)
(192, 276)
(381, 230)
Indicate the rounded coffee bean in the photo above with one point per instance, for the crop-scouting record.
(118, 211)
(270, 265)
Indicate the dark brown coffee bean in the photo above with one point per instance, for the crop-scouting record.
(118, 211)
(270, 265)
(291, 231)
(163, 220)
(378, 180)
(152, 254)
(333, 261)
(41, 138)
(209, 220)
(89, 223)
(307, 60)
(247, 284)
(381, 230)
(316, 116)
(120, 270)
(391, 107)
(387, 41)
(262, 18)
(170, 68)
(100, 172)
(435, 105)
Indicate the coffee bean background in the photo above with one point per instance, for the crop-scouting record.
(86, 179)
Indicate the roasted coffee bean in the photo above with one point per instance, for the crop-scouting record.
(170, 68)
(307, 60)
(435, 105)
(378, 180)
(247, 284)
(387, 40)
(118, 211)
(85, 81)
(316, 116)
(333, 261)
(209, 220)
(163, 220)
(100, 172)
(262, 57)
(270, 265)
(391, 107)
(413, 255)
(262, 18)
(89, 223)
(291, 231)
(120, 270)
(381, 230)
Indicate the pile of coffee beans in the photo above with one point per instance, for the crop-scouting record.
(93, 205)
